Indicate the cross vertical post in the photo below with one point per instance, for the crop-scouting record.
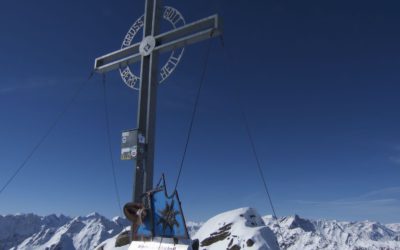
(147, 104)
(143, 173)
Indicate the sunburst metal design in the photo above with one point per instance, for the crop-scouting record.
(168, 217)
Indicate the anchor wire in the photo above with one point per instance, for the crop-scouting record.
(196, 103)
(108, 131)
(252, 144)
(194, 112)
(46, 134)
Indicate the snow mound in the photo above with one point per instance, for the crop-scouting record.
(237, 229)
(110, 243)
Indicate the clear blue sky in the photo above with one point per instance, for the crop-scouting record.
(319, 82)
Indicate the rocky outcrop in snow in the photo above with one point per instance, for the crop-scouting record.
(298, 233)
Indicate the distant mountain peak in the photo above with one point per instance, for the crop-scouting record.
(296, 221)
(94, 215)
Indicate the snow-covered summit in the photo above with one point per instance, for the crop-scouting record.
(238, 229)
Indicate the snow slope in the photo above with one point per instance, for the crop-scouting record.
(298, 233)
(110, 244)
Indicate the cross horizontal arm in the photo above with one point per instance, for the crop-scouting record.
(188, 39)
(117, 59)
(191, 33)
(208, 23)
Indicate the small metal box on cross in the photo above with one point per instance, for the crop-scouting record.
(147, 51)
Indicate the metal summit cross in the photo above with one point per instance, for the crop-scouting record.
(147, 51)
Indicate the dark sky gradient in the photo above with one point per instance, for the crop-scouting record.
(318, 80)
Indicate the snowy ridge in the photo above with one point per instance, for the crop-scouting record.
(299, 233)
(394, 227)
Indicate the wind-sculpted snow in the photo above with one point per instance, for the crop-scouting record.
(297, 233)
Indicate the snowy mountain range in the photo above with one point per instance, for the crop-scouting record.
(294, 232)
(238, 229)
(29, 231)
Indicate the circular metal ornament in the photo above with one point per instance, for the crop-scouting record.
(176, 20)
(147, 45)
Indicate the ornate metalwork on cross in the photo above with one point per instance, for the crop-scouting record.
(145, 198)
(176, 20)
